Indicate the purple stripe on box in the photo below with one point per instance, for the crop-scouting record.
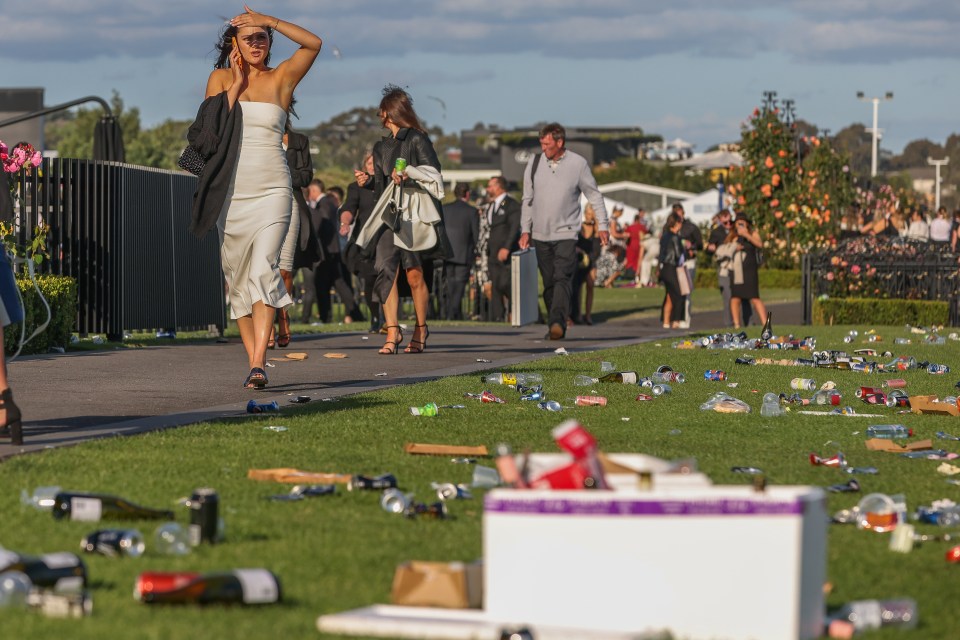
(622, 507)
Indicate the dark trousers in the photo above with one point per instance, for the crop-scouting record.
(557, 261)
(457, 276)
(668, 276)
(500, 288)
(309, 295)
(327, 274)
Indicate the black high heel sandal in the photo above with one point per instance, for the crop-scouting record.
(13, 427)
(256, 380)
(423, 342)
(393, 345)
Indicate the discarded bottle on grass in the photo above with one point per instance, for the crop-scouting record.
(256, 407)
(485, 397)
(590, 401)
(940, 516)
(114, 543)
(803, 384)
(243, 586)
(59, 571)
(581, 380)
(901, 341)
(430, 409)
(15, 586)
(92, 507)
(889, 431)
(745, 360)
(378, 483)
(826, 396)
(395, 501)
(621, 377)
(660, 389)
(767, 331)
(897, 398)
(863, 615)
(512, 379)
(550, 405)
(770, 408)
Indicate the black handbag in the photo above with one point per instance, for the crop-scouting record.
(191, 161)
(393, 216)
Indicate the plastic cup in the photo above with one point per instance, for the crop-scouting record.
(15, 586)
(171, 539)
(485, 477)
(880, 512)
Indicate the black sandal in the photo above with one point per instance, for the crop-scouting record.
(256, 380)
(423, 343)
(13, 427)
(283, 340)
(390, 347)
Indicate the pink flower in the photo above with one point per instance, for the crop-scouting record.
(830, 276)
(36, 159)
(855, 269)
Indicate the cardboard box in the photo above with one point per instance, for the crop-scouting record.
(929, 405)
(702, 562)
(452, 585)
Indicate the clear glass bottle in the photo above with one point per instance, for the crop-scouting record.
(889, 431)
(513, 379)
(863, 615)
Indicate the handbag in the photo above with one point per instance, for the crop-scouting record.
(683, 277)
(191, 161)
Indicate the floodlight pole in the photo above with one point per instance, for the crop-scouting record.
(875, 130)
(938, 164)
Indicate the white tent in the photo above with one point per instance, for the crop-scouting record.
(699, 208)
(711, 160)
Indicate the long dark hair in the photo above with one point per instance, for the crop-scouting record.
(398, 106)
(224, 45)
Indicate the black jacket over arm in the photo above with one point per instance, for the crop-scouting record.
(300, 163)
(215, 134)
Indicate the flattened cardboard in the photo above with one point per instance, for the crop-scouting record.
(880, 444)
(444, 449)
(452, 585)
(926, 405)
(296, 476)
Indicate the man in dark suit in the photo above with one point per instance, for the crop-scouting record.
(463, 230)
(328, 273)
(503, 213)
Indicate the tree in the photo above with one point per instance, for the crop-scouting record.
(915, 154)
(71, 134)
(795, 199)
(857, 144)
(662, 175)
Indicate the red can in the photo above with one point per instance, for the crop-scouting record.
(895, 383)
(875, 398)
(835, 461)
(868, 391)
(590, 401)
(486, 396)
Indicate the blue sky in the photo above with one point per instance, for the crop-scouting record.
(687, 68)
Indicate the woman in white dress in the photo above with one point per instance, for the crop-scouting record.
(256, 215)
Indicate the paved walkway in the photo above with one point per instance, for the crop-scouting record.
(75, 397)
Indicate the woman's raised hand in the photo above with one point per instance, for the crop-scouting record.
(253, 19)
(237, 67)
(361, 177)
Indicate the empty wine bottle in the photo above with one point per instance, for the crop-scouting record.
(767, 331)
(242, 586)
(92, 507)
(385, 481)
(513, 379)
(622, 377)
(58, 571)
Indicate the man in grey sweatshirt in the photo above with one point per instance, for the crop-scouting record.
(551, 218)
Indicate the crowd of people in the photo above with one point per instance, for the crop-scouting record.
(911, 223)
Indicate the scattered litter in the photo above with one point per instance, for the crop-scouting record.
(278, 429)
(945, 436)
(382, 374)
(302, 491)
(724, 403)
(463, 460)
(839, 412)
(335, 356)
(300, 399)
(674, 432)
(948, 469)
(485, 477)
(449, 491)
(625, 419)
(748, 470)
(851, 486)
(444, 449)
(560, 351)
(733, 385)
(256, 407)
(484, 360)
(291, 357)
(269, 364)
(364, 337)
(883, 444)
(296, 476)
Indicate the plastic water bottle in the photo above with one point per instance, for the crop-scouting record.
(771, 406)
(803, 384)
(15, 586)
(888, 431)
(550, 405)
(862, 615)
(581, 380)
(513, 379)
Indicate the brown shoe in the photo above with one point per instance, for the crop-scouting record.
(557, 331)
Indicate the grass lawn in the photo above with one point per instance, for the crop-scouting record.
(340, 552)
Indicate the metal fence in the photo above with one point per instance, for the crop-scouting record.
(876, 267)
(121, 232)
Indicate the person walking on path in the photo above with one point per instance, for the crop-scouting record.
(745, 278)
(354, 212)
(692, 243)
(244, 188)
(463, 229)
(672, 273)
(407, 139)
(551, 219)
(503, 214)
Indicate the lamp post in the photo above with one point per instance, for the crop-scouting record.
(938, 164)
(875, 130)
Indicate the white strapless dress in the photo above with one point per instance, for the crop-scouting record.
(256, 214)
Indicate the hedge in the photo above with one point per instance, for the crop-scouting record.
(61, 295)
(769, 279)
(878, 311)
